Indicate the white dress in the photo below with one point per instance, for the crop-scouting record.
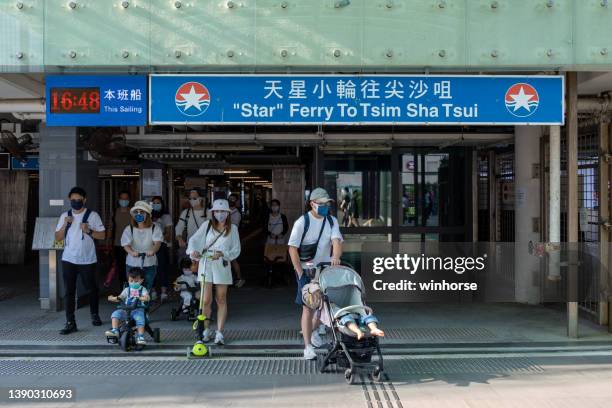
(214, 271)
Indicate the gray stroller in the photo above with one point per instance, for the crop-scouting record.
(343, 292)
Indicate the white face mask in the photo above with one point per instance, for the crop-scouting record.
(275, 208)
(220, 216)
(187, 271)
(194, 201)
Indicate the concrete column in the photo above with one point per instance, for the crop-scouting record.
(526, 211)
(58, 173)
(554, 201)
(62, 166)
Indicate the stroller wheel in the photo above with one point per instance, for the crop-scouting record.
(349, 376)
(156, 335)
(377, 374)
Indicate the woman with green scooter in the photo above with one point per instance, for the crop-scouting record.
(215, 244)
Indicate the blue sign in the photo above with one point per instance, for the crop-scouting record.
(30, 163)
(356, 100)
(100, 100)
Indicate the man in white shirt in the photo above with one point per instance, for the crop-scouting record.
(321, 242)
(190, 220)
(78, 228)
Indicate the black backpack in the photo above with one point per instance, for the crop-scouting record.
(85, 219)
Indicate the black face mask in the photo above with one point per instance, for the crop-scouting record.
(76, 204)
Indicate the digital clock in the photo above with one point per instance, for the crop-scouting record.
(75, 100)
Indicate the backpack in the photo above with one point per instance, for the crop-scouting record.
(308, 252)
(85, 219)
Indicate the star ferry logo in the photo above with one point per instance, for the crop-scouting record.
(192, 99)
(522, 100)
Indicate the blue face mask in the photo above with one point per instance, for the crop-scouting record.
(156, 206)
(124, 203)
(322, 210)
(76, 204)
(140, 218)
(135, 285)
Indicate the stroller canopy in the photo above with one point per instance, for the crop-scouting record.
(338, 277)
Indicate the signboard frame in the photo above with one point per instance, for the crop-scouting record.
(561, 79)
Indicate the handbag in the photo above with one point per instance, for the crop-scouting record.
(309, 251)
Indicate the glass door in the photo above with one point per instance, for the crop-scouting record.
(434, 195)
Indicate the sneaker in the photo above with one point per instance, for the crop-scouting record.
(153, 296)
(112, 333)
(219, 340)
(207, 335)
(240, 283)
(140, 340)
(316, 340)
(309, 353)
(163, 297)
(95, 320)
(70, 327)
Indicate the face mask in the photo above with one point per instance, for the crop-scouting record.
(140, 217)
(220, 216)
(275, 208)
(124, 203)
(156, 206)
(76, 204)
(194, 201)
(135, 285)
(187, 271)
(322, 209)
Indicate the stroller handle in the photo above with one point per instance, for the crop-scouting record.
(351, 308)
(326, 264)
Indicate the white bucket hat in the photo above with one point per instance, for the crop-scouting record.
(141, 205)
(220, 205)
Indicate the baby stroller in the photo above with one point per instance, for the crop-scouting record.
(343, 292)
(192, 310)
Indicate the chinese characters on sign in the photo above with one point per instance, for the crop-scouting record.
(344, 99)
(96, 100)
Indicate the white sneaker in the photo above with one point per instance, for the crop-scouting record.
(240, 283)
(316, 340)
(309, 353)
(219, 340)
(207, 335)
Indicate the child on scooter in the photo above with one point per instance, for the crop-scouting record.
(137, 294)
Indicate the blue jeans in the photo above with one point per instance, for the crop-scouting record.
(137, 314)
(149, 275)
(357, 319)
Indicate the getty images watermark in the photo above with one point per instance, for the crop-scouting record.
(413, 264)
(481, 272)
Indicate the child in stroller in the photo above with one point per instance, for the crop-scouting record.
(189, 290)
(344, 310)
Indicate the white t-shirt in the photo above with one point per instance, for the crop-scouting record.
(275, 227)
(164, 222)
(325, 243)
(235, 216)
(142, 241)
(196, 218)
(79, 248)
